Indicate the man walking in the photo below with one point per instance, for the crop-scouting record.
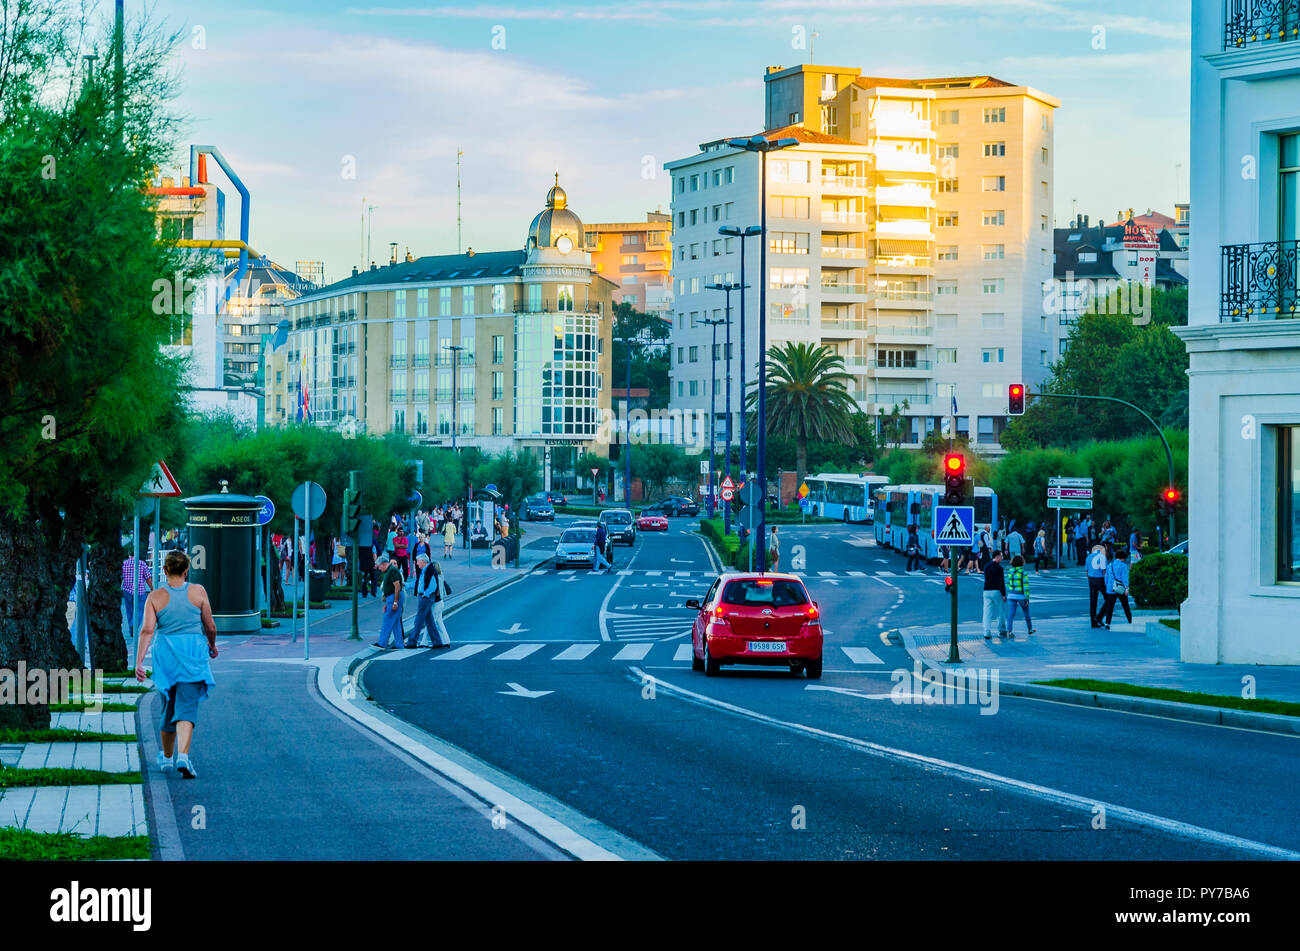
(1081, 540)
(428, 616)
(995, 596)
(391, 624)
(913, 548)
(1096, 583)
(136, 585)
(601, 535)
(1015, 543)
(1117, 586)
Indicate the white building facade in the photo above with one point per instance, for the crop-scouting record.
(908, 231)
(1243, 336)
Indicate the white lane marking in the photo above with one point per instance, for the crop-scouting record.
(882, 581)
(856, 574)
(826, 574)
(400, 653)
(886, 574)
(861, 655)
(566, 571)
(684, 652)
(653, 574)
(576, 652)
(517, 690)
(633, 652)
(460, 653)
(547, 826)
(971, 774)
(518, 652)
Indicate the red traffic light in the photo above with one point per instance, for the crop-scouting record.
(1017, 389)
(1016, 399)
(954, 462)
(1171, 495)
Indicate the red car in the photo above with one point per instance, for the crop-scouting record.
(652, 522)
(757, 619)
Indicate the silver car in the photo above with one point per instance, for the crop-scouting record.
(576, 547)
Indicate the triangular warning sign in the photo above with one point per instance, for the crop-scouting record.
(954, 531)
(160, 481)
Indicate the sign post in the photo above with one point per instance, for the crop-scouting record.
(595, 472)
(957, 530)
(264, 516)
(308, 502)
(159, 484)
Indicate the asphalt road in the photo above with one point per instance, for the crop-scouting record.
(758, 763)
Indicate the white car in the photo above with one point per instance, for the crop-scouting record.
(576, 546)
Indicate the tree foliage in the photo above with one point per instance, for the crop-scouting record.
(649, 353)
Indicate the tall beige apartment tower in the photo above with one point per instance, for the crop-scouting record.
(909, 230)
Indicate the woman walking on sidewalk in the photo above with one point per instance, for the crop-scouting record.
(1117, 586)
(181, 615)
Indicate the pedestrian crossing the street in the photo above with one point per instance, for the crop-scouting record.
(663, 576)
(655, 652)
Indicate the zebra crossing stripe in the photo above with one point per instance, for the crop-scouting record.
(518, 652)
(575, 652)
(861, 655)
(856, 574)
(826, 574)
(886, 574)
(633, 652)
(624, 572)
(653, 574)
(683, 652)
(460, 653)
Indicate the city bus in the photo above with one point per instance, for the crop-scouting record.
(915, 504)
(844, 497)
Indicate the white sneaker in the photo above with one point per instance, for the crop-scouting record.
(185, 767)
(165, 762)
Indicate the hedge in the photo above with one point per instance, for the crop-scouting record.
(578, 510)
(1159, 581)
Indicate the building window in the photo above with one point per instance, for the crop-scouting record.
(944, 288)
(948, 150)
(681, 219)
(534, 298)
(695, 387)
(694, 215)
(995, 218)
(945, 321)
(992, 321)
(945, 355)
(564, 297)
(995, 252)
(1042, 358)
(988, 390)
(729, 176)
(949, 116)
(1087, 257)
(681, 185)
(948, 253)
(787, 206)
(1043, 153)
(995, 114)
(466, 301)
(695, 183)
(946, 219)
(788, 242)
(444, 302)
(498, 298)
(947, 185)
(629, 259)
(422, 302)
(717, 177)
(995, 149)
(994, 285)
(1288, 504)
(681, 355)
(1043, 186)
(993, 354)
(1042, 220)
(399, 304)
(498, 385)
(995, 183)
(694, 354)
(945, 391)
(1044, 123)
(783, 170)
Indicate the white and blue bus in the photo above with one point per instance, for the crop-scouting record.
(844, 497)
(915, 504)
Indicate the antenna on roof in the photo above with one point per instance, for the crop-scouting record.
(459, 153)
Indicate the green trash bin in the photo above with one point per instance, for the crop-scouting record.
(223, 537)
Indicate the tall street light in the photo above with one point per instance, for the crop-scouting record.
(455, 359)
(627, 425)
(762, 145)
(727, 289)
(735, 232)
(713, 402)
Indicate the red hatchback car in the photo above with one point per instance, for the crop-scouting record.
(757, 619)
(652, 522)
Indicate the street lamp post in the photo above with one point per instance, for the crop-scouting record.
(726, 289)
(455, 365)
(762, 146)
(735, 232)
(627, 425)
(713, 412)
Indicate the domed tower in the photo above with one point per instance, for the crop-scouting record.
(556, 226)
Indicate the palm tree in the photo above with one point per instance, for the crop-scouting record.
(807, 397)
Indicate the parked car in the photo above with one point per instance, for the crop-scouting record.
(538, 508)
(651, 520)
(618, 523)
(748, 618)
(676, 505)
(1180, 548)
(556, 498)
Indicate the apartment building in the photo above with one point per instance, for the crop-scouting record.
(500, 349)
(637, 256)
(1243, 336)
(909, 230)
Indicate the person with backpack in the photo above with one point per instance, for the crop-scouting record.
(1117, 586)
(1017, 596)
(1096, 584)
(913, 548)
(995, 597)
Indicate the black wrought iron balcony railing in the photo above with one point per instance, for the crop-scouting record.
(420, 360)
(397, 363)
(1259, 281)
(1248, 23)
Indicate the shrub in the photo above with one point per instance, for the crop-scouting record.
(1159, 581)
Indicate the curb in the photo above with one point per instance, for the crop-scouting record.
(1123, 703)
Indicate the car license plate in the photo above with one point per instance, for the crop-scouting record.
(767, 647)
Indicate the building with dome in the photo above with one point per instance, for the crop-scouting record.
(494, 349)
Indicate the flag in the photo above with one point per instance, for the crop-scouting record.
(305, 410)
(298, 400)
(954, 404)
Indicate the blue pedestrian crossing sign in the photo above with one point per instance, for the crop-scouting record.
(956, 524)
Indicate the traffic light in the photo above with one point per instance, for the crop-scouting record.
(954, 479)
(1169, 501)
(351, 511)
(947, 584)
(1016, 399)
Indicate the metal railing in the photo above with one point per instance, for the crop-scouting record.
(901, 330)
(850, 254)
(467, 394)
(1259, 281)
(397, 396)
(845, 181)
(444, 395)
(397, 363)
(419, 396)
(420, 360)
(465, 359)
(1247, 22)
(896, 399)
(887, 365)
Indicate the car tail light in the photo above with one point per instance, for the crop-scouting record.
(719, 616)
(813, 613)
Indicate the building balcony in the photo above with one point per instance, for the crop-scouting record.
(896, 126)
(901, 263)
(656, 265)
(498, 394)
(420, 361)
(397, 396)
(832, 327)
(1250, 23)
(845, 183)
(908, 196)
(890, 399)
(463, 358)
(898, 160)
(443, 395)
(904, 230)
(1259, 281)
(466, 394)
(903, 333)
(397, 363)
(833, 288)
(836, 217)
(887, 296)
(845, 254)
(887, 368)
(419, 396)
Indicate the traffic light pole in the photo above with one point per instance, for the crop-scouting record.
(354, 489)
(1169, 455)
(954, 657)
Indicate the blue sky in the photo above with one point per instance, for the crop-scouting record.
(288, 90)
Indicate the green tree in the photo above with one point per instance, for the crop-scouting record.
(656, 464)
(516, 474)
(649, 354)
(808, 397)
(88, 400)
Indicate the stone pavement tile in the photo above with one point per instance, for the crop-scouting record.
(11, 753)
(86, 810)
(110, 757)
(123, 723)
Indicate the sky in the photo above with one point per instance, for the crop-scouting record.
(327, 108)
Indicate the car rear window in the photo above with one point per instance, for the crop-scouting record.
(576, 535)
(776, 593)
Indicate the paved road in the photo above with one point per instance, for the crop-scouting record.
(758, 763)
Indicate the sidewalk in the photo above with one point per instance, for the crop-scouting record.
(1144, 653)
(282, 774)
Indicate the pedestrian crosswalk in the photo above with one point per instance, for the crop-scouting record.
(663, 576)
(655, 652)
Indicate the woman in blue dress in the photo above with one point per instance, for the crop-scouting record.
(180, 614)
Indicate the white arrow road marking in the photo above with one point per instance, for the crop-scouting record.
(859, 693)
(882, 561)
(517, 691)
(830, 581)
(681, 561)
(512, 629)
(571, 578)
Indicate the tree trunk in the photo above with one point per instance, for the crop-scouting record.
(37, 571)
(104, 595)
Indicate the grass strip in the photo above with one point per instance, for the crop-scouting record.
(1175, 623)
(84, 705)
(62, 735)
(1254, 704)
(12, 777)
(119, 674)
(23, 845)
